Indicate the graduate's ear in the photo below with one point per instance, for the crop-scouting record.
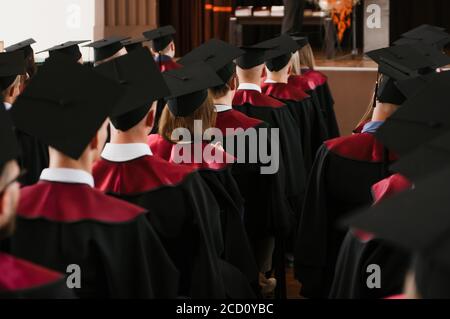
(233, 83)
(151, 115)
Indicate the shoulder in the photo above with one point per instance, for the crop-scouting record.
(255, 98)
(284, 91)
(317, 77)
(390, 186)
(18, 274)
(160, 146)
(235, 120)
(361, 147)
(138, 176)
(302, 82)
(69, 203)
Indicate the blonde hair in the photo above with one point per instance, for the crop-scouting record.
(205, 113)
(303, 58)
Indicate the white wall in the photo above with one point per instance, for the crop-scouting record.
(49, 22)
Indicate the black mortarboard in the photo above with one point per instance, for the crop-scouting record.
(251, 58)
(427, 34)
(189, 87)
(134, 44)
(300, 39)
(24, 46)
(280, 53)
(65, 105)
(161, 37)
(411, 87)
(142, 81)
(106, 48)
(417, 220)
(218, 54)
(402, 63)
(419, 120)
(12, 64)
(70, 48)
(428, 158)
(8, 142)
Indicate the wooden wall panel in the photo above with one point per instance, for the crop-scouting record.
(127, 17)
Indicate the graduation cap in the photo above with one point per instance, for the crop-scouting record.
(218, 54)
(279, 51)
(428, 34)
(417, 220)
(401, 63)
(430, 157)
(189, 87)
(251, 58)
(161, 37)
(134, 44)
(138, 74)
(70, 48)
(8, 142)
(65, 104)
(419, 120)
(413, 86)
(106, 48)
(24, 46)
(300, 39)
(12, 64)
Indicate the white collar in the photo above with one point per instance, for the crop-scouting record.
(67, 175)
(270, 81)
(250, 86)
(8, 106)
(222, 108)
(125, 152)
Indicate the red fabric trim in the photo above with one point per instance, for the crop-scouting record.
(360, 147)
(138, 176)
(255, 98)
(302, 82)
(17, 274)
(168, 65)
(390, 186)
(316, 77)
(160, 146)
(69, 203)
(397, 297)
(284, 91)
(234, 119)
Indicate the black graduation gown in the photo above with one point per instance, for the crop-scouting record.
(320, 85)
(185, 215)
(359, 250)
(257, 105)
(341, 179)
(267, 211)
(218, 176)
(20, 279)
(116, 248)
(319, 126)
(302, 109)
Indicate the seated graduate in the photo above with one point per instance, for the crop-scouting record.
(134, 44)
(20, 279)
(303, 72)
(33, 154)
(419, 157)
(107, 49)
(187, 123)
(276, 85)
(416, 221)
(28, 53)
(266, 210)
(70, 48)
(249, 100)
(163, 47)
(183, 210)
(325, 118)
(63, 221)
(344, 171)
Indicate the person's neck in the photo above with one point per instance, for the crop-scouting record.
(278, 77)
(62, 161)
(8, 100)
(225, 100)
(128, 138)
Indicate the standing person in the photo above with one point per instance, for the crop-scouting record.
(294, 12)
(19, 278)
(63, 220)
